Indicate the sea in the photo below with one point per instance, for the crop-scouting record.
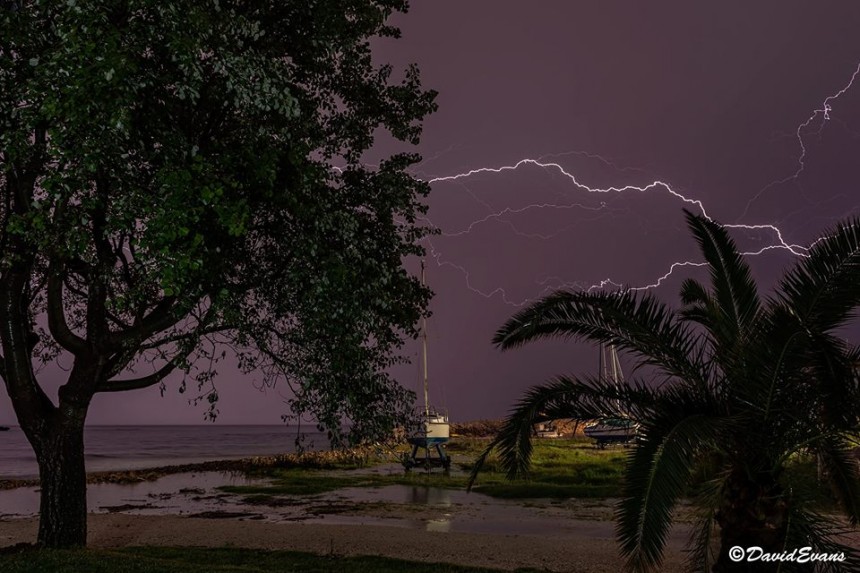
(117, 448)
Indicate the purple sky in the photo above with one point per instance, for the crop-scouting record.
(705, 97)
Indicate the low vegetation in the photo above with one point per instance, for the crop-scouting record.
(563, 468)
(198, 560)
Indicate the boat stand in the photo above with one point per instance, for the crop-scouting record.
(428, 461)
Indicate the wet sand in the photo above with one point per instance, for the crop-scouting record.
(550, 552)
(407, 522)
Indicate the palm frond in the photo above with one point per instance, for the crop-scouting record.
(694, 292)
(698, 307)
(768, 375)
(833, 375)
(798, 379)
(822, 288)
(479, 463)
(843, 474)
(640, 324)
(700, 550)
(657, 475)
(853, 355)
(706, 498)
(734, 291)
(823, 535)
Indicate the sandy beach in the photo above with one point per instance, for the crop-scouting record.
(553, 553)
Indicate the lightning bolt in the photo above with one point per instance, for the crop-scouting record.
(822, 115)
(654, 185)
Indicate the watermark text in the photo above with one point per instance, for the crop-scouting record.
(798, 555)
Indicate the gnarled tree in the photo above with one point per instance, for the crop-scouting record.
(180, 177)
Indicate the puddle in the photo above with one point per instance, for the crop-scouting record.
(444, 510)
(170, 494)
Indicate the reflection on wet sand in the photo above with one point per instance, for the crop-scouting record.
(433, 496)
(409, 506)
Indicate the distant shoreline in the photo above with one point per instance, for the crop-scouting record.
(246, 465)
(203, 425)
(147, 474)
(111, 449)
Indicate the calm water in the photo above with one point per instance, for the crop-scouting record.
(135, 447)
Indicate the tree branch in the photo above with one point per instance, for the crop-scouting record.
(98, 331)
(186, 335)
(144, 382)
(57, 317)
(29, 400)
(116, 320)
(163, 316)
(127, 352)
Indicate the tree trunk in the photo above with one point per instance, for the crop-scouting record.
(753, 514)
(63, 509)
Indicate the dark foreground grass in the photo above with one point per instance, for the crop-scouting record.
(200, 560)
(562, 468)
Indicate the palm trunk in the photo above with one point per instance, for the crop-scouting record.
(753, 514)
(63, 508)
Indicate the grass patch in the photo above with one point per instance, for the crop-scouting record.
(295, 482)
(199, 560)
(561, 468)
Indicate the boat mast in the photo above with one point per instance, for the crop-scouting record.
(601, 363)
(616, 366)
(424, 353)
(616, 372)
(609, 368)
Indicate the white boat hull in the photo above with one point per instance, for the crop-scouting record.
(438, 429)
(435, 430)
(612, 433)
(546, 430)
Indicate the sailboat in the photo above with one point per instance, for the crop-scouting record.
(618, 429)
(434, 430)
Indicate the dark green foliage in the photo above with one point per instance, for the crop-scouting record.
(746, 391)
(182, 182)
(170, 165)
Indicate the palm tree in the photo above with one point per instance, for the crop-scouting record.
(738, 386)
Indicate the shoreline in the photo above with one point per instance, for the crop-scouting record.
(246, 465)
(149, 474)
